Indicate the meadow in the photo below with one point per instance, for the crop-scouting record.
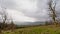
(49, 29)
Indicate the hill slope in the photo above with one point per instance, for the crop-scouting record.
(51, 29)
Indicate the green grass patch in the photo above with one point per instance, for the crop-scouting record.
(51, 29)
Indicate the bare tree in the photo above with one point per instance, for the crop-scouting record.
(4, 17)
(52, 7)
(12, 25)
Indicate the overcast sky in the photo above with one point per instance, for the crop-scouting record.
(27, 10)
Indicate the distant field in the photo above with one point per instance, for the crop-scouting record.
(51, 29)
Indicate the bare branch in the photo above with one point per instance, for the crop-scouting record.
(52, 7)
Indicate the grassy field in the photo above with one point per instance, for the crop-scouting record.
(50, 29)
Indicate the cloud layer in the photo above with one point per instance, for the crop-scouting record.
(30, 8)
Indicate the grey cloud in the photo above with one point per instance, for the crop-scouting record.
(8, 4)
(40, 12)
